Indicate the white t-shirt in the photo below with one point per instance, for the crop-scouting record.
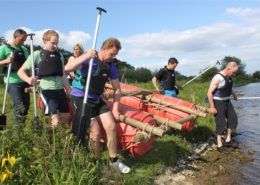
(221, 83)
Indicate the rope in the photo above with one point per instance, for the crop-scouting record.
(166, 123)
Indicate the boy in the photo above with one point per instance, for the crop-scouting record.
(50, 63)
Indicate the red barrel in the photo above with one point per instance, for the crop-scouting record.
(157, 109)
(127, 135)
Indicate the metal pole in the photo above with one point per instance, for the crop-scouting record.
(33, 74)
(91, 60)
(83, 118)
(218, 63)
(6, 85)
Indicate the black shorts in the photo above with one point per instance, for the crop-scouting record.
(92, 110)
(55, 101)
(226, 116)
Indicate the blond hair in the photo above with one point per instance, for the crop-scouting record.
(47, 35)
(80, 46)
(111, 42)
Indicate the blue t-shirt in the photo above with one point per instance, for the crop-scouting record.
(113, 75)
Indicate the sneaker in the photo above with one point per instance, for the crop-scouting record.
(120, 166)
(222, 150)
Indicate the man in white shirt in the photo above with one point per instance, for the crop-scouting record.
(219, 94)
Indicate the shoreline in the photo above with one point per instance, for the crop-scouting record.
(206, 166)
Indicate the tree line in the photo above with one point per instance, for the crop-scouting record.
(129, 74)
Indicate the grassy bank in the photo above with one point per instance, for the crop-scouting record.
(50, 157)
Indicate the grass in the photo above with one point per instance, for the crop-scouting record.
(47, 157)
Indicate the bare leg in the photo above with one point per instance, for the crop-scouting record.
(95, 137)
(109, 126)
(219, 142)
(54, 120)
(229, 131)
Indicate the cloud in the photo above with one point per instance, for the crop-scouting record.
(243, 12)
(195, 49)
(198, 48)
(66, 41)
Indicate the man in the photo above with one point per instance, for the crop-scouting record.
(15, 53)
(219, 93)
(50, 63)
(167, 80)
(102, 69)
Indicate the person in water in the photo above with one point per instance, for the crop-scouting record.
(219, 94)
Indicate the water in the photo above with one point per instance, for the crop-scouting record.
(249, 128)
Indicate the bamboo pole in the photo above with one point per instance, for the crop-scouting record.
(138, 124)
(168, 122)
(189, 118)
(178, 107)
(204, 109)
(159, 101)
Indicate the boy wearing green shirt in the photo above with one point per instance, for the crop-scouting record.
(16, 54)
(51, 77)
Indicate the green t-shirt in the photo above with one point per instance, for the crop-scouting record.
(46, 83)
(5, 52)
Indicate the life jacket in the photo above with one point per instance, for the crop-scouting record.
(51, 64)
(168, 83)
(98, 79)
(226, 90)
(19, 59)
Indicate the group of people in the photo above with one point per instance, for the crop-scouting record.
(54, 87)
(218, 95)
(52, 78)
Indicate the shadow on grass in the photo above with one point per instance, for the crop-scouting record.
(198, 134)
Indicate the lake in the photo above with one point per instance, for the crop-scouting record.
(248, 130)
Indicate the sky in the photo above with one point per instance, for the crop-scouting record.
(196, 32)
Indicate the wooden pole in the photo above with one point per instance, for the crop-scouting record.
(178, 107)
(138, 124)
(189, 118)
(168, 122)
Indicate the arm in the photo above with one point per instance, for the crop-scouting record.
(212, 87)
(5, 58)
(117, 95)
(72, 65)
(22, 73)
(154, 80)
(66, 83)
(8, 60)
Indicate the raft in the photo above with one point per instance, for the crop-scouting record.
(164, 107)
(133, 140)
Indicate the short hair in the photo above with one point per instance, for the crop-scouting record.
(80, 46)
(47, 35)
(111, 42)
(172, 61)
(232, 64)
(19, 32)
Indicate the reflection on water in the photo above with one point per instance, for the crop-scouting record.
(249, 128)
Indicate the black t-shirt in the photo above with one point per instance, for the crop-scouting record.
(166, 78)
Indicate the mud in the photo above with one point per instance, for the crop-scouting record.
(206, 166)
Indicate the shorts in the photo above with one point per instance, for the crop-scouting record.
(55, 101)
(226, 116)
(92, 110)
(171, 93)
